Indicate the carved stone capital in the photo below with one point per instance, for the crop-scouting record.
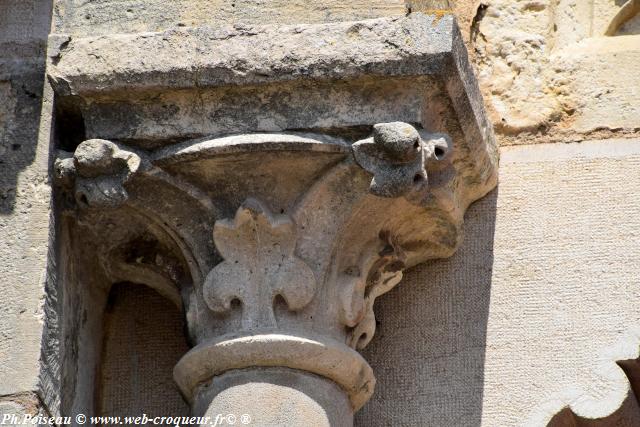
(278, 242)
(306, 231)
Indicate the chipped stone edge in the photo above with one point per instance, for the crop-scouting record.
(206, 57)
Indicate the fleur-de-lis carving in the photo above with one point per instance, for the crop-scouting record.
(259, 264)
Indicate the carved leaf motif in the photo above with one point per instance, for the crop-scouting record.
(387, 278)
(379, 272)
(259, 264)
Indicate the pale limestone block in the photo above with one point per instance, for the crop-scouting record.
(14, 409)
(533, 312)
(511, 54)
(24, 192)
(548, 72)
(604, 82)
(131, 16)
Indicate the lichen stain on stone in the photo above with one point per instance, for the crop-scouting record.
(438, 14)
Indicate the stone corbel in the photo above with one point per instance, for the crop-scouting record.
(279, 241)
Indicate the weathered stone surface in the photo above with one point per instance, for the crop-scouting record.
(558, 262)
(304, 104)
(205, 56)
(308, 228)
(24, 193)
(143, 338)
(541, 65)
(510, 44)
(534, 310)
(98, 170)
(387, 71)
(293, 289)
(133, 16)
(630, 24)
(251, 395)
(16, 408)
(604, 82)
(397, 156)
(317, 355)
(260, 265)
(625, 21)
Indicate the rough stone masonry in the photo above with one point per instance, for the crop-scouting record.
(266, 209)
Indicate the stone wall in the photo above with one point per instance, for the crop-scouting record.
(130, 16)
(24, 197)
(532, 313)
(140, 324)
(549, 73)
(533, 321)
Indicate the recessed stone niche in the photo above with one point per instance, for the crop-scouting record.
(270, 182)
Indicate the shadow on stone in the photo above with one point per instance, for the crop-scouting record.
(24, 26)
(429, 349)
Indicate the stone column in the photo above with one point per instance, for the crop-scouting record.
(278, 319)
(275, 396)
